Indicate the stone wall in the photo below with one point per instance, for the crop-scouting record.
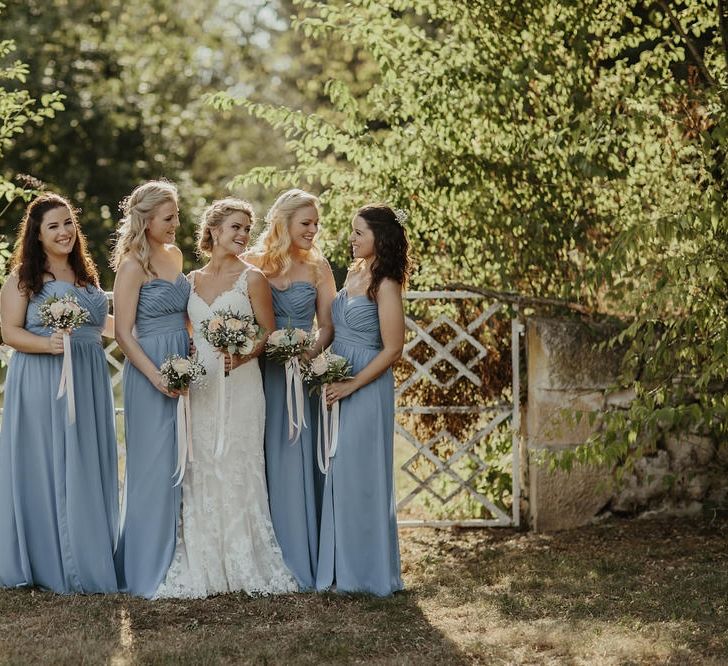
(566, 373)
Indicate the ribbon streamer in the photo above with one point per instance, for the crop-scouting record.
(184, 437)
(220, 443)
(294, 399)
(326, 450)
(65, 387)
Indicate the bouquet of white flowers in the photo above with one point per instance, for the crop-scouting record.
(179, 373)
(64, 314)
(287, 343)
(326, 368)
(231, 332)
(284, 346)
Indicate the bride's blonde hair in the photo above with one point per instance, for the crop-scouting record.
(137, 208)
(214, 216)
(271, 252)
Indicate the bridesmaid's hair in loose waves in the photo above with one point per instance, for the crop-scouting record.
(391, 246)
(214, 215)
(137, 208)
(271, 252)
(29, 259)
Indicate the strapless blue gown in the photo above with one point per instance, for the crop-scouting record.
(151, 502)
(290, 468)
(58, 482)
(358, 546)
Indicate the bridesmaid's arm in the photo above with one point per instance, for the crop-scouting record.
(262, 301)
(128, 283)
(391, 324)
(325, 294)
(13, 308)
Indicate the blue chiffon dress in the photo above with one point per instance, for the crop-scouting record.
(290, 467)
(358, 546)
(58, 481)
(151, 502)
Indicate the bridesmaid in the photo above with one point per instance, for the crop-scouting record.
(58, 481)
(150, 305)
(303, 286)
(359, 550)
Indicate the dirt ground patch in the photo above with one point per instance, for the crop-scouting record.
(622, 592)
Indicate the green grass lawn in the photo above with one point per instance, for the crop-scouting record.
(622, 592)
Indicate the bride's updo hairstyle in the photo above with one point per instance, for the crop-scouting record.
(391, 246)
(271, 252)
(215, 214)
(137, 208)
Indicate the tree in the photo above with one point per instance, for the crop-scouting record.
(18, 109)
(134, 75)
(572, 150)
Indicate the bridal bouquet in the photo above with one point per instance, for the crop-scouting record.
(178, 374)
(326, 368)
(231, 331)
(284, 346)
(64, 314)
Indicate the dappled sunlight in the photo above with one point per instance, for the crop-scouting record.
(124, 654)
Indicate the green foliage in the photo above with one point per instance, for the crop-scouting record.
(18, 109)
(134, 75)
(562, 149)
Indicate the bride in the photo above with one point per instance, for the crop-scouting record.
(226, 540)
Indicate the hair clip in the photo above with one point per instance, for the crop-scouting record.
(401, 216)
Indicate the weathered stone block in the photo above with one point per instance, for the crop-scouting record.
(562, 355)
(559, 500)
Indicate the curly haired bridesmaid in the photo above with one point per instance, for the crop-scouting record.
(358, 548)
(303, 286)
(58, 478)
(150, 306)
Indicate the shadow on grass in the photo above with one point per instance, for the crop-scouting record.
(291, 629)
(631, 575)
(621, 592)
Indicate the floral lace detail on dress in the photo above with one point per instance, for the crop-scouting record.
(226, 541)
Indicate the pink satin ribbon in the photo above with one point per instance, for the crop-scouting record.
(66, 384)
(326, 449)
(294, 399)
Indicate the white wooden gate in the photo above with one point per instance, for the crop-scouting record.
(427, 313)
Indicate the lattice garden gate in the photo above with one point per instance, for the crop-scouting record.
(448, 339)
(460, 470)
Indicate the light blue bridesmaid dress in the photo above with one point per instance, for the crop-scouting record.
(58, 481)
(290, 467)
(358, 546)
(151, 502)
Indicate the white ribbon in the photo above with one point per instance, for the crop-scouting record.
(220, 443)
(294, 399)
(326, 450)
(66, 384)
(184, 437)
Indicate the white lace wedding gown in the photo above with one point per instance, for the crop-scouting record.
(226, 541)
